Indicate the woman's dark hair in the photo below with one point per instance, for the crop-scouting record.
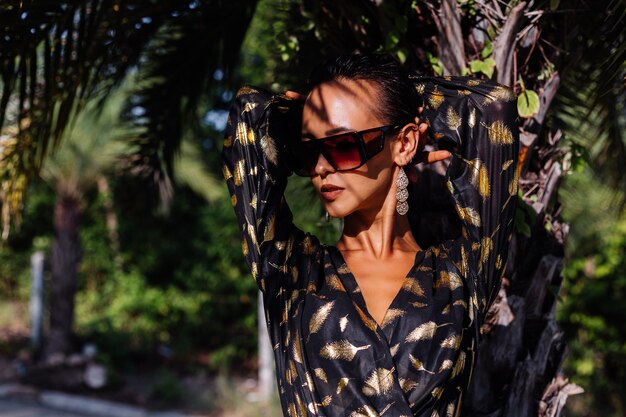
(398, 99)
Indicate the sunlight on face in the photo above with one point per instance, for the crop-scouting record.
(341, 106)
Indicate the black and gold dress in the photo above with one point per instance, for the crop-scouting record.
(332, 358)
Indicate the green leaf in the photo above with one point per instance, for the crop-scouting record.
(487, 50)
(521, 225)
(401, 54)
(528, 103)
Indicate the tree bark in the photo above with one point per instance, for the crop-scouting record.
(66, 255)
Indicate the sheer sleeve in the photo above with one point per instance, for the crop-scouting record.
(477, 120)
(256, 167)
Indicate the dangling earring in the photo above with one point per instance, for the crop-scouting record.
(327, 217)
(402, 194)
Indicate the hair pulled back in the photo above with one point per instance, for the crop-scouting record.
(398, 98)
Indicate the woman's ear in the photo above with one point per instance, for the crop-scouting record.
(407, 144)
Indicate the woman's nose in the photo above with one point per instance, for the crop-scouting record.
(323, 167)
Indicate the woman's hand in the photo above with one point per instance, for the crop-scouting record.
(422, 156)
(294, 95)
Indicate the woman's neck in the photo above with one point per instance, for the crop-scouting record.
(378, 233)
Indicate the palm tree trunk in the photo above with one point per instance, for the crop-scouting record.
(66, 255)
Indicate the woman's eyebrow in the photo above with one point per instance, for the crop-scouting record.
(329, 132)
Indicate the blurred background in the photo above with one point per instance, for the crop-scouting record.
(121, 272)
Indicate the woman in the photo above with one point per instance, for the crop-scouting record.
(375, 325)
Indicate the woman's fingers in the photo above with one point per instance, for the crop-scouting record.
(432, 157)
(294, 95)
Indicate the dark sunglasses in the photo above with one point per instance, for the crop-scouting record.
(344, 151)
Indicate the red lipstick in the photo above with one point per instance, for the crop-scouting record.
(330, 192)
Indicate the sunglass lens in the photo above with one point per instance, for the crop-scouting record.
(342, 152)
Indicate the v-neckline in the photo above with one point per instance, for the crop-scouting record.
(353, 289)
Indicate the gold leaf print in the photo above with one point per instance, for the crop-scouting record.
(365, 411)
(326, 401)
(450, 410)
(468, 214)
(297, 349)
(379, 382)
(294, 274)
(343, 322)
(473, 82)
(343, 382)
(420, 88)
(270, 228)
(341, 349)
(498, 262)
(319, 317)
(407, 384)
(394, 349)
(471, 121)
(419, 365)
(245, 91)
(453, 119)
(446, 310)
(244, 135)
(451, 342)
(449, 280)
(280, 244)
(307, 245)
(391, 315)
(255, 270)
(450, 187)
(320, 374)
(252, 234)
(300, 404)
(424, 331)
(414, 287)
(461, 303)
(417, 304)
(500, 134)
(445, 365)
(248, 107)
(244, 247)
(233, 200)
(435, 412)
(228, 141)
(463, 268)
(343, 269)
(513, 185)
(459, 365)
(291, 410)
(333, 281)
(437, 392)
(239, 172)
(507, 164)
(479, 177)
(486, 245)
(436, 99)
(269, 149)
(369, 323)
(500, 93)
(226, 172)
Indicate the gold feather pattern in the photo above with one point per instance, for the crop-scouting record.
(343, 269)
(379, 382)
(326, 401)
(239, 173)
(498, 262)
(343, 382)
(417, 304)
(268, 145)
(436, 98)
(226, 172)
(500, 134)
(391, 315)
(424, 331)
(486, 245)
(513, 185)
(452, 119)
(413, 287)
(420, 88)
(474, 82)
(445, 365)
(469, 215)
(255, 270)
(320, 374)
(233, 200)
(244, 247)
(436, 393)
(507, 164)
(418, 364)
(451, 342)
(461, 303)
(246, 91)
(343, 323)
(333, 281)
(307, 245)
(244, 134)
(228, 141)
(471, 120)
(500, 93)
(459, 365)
(297, 349)
(280, 244)
(365, 411)
(479, 177)
(248, 107)
(407, 384)
(368, 322)
(252, 234)
(449, 280)
(394, 349)
(341, 349)
(463, 269)
(450, 410)
(319, 317)
(270, 228)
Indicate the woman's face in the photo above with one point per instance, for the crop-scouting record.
(343, 106)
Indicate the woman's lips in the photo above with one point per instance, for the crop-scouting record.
(330, 192)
